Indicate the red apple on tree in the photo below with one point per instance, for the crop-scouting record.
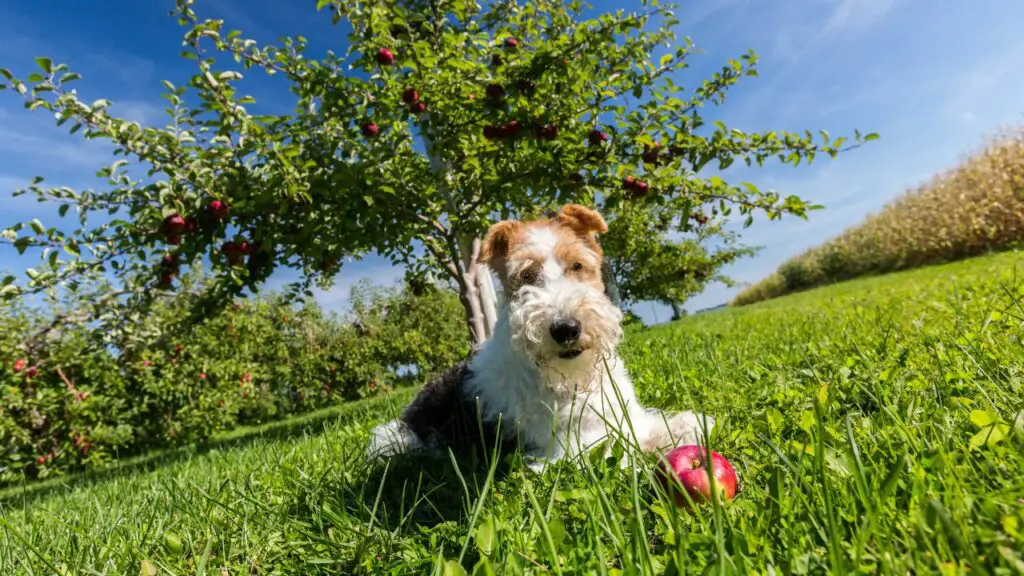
(492, 132)
(370, 130)
(651, 154)
(234, 251)
(410, 95)
(511, 43)
(418, 107)
(19, 365)
(173, 227)
(385, 57)
(596, 137)
(219, 209)
(684, 472)
(495, 91)
(511, 128)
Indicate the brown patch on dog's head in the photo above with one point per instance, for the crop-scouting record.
(582, 219)
(584, 222)
(498, 243)
(511, 247)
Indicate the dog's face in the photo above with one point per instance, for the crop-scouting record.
(551, 272)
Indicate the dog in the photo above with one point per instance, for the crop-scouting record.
(549, 381)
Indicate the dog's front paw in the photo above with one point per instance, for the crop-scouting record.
(690, 427)
(669, 430)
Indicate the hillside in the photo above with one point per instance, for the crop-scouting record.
(877, 425)
(976, 207)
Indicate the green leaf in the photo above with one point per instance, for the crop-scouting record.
(484, 568)
(45, 63)
(983, 418)
(70, 77)
(870, 137)
(486, 535)
(557, 529)
(37, 226)
(453, 568)
(988, 436)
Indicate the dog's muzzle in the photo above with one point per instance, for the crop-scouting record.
(566, 332)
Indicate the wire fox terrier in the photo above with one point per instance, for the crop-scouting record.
(549, 380)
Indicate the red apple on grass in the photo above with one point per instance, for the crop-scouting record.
(685, 469)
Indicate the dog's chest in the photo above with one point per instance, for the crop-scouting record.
(545, 410)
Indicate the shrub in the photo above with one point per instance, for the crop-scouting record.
(975, 208)
(79, 402)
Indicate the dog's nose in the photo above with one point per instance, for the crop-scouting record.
(566, 330)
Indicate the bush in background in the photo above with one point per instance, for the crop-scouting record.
(79, 401)
(975, 208)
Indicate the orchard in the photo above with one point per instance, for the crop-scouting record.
(432, 121)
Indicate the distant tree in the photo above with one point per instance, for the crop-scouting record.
(648, 263)
(434, 120)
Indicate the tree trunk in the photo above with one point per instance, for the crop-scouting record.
(488, 298)
(476, 291)
(469, 296)
(611, 287)
(677, 311)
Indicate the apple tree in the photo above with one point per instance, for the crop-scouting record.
(663, 254)
(433, 120)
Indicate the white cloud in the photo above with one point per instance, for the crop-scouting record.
(374, 268)
(25, 143)
(855, 15)
(145, 113)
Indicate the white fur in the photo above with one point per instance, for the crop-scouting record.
(562, 406)
(393, 438)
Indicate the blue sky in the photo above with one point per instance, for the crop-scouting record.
(933, 77)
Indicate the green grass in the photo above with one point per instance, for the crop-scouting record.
(878, 427)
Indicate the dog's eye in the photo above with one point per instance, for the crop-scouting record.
(527, 276)
(577, 267)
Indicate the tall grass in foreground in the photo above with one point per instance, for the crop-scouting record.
(877, 427)
(972, 209)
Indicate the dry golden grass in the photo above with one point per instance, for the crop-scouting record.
(975, 208)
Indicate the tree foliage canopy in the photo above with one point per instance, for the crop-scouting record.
(434, 120)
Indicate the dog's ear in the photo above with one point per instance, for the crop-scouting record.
(582, 220)
(498, 240)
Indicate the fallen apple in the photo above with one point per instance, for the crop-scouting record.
(685, 469)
